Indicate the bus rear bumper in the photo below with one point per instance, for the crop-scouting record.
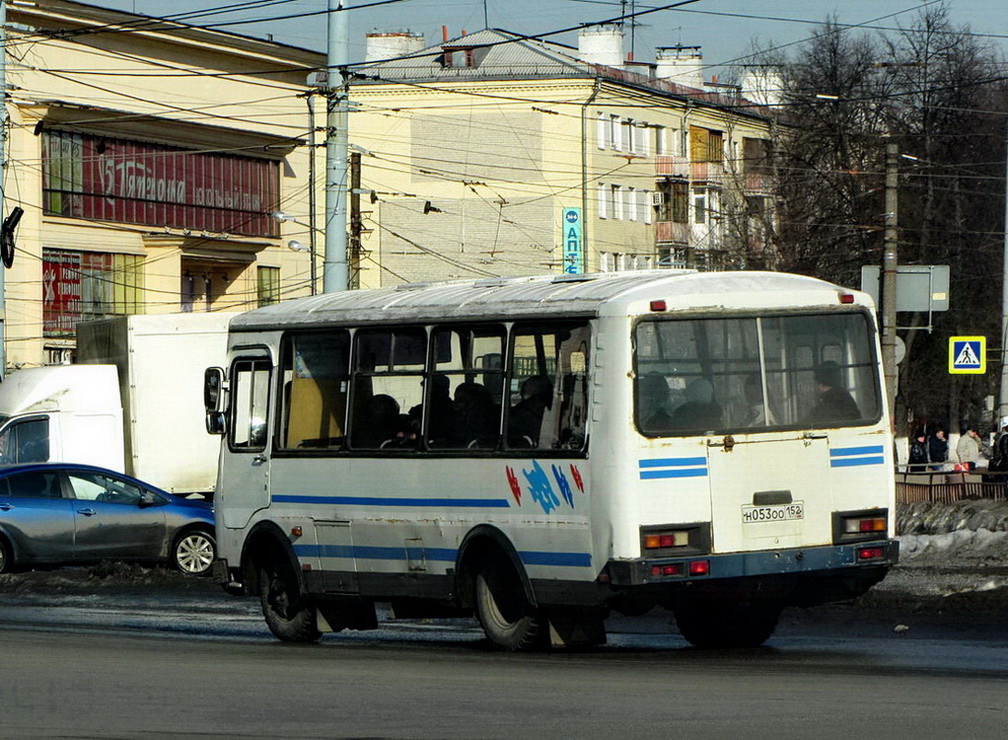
(800, 576)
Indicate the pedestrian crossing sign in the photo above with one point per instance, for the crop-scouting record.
(967, 355)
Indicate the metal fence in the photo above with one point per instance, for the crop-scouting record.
(946, 487)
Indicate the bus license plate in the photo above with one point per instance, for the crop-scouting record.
(781, 513)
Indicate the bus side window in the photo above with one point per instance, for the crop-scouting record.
(316, 371)
(549, 383)
(249, 404)
(468, 358)
(387, 389)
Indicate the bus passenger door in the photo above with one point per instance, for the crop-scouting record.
(245, 466)
(770, 493)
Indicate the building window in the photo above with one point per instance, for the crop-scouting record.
(601, 130)
(267, 286)
(700, 207)
(648, 210)
(660, 143)
(631, 135)
(674, 201)
(616, 198)
(603, 200)
(615, 132)
(79, 286)
(631, 204)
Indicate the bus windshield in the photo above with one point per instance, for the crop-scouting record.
(748, 374)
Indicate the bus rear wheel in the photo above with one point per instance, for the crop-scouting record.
(289, 613)
(509, 621)
(722, 624)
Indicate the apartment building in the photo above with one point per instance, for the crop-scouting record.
(494, 154)
(149, 158)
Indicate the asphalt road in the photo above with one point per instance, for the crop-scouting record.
(148, 655)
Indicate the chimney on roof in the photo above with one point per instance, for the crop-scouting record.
(680, 64)
(601, 45)
(391, 45)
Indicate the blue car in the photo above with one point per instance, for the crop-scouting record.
(64, 513)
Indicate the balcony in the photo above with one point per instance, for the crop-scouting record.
(672, 232)
(712, 172)
(667, 165)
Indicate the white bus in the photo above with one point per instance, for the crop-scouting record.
(541, 451)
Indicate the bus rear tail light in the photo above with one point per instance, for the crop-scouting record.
(871, 553)
(699, 568)
(865, 525)
(669, 569)
(662, 540)
(846, 297)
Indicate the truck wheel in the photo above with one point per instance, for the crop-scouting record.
(723, 624)
(193, 552)
(289, 613)
(508, 619)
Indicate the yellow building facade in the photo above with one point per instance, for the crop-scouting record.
(494, 155)
(148, 158)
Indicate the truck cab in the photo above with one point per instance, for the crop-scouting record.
(69, 413)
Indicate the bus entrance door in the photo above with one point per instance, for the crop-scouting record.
(247, 468)
(770, 493)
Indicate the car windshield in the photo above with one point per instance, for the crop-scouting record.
(755, 373)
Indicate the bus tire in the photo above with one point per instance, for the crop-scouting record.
(289, 613)
(722, 624)
(509, 621)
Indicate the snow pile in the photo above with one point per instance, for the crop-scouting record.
(970, 514)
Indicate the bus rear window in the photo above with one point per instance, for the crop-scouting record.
(754, 373)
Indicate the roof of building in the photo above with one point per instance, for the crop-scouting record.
(549, 296)
(503, 55)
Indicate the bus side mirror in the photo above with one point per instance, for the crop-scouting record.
(213, 389)
(213, 399)
(215, 422)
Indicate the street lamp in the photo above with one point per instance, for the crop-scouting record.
(297, 246)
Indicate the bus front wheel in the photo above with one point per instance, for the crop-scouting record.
(289, 613)
(508, 619)
(722, 624)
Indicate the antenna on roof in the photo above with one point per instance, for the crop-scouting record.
(486, 18)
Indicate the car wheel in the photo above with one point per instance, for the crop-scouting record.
(6, 559)
(289, 613)
(508, 619)
(193, 552)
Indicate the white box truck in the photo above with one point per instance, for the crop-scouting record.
(133, 402)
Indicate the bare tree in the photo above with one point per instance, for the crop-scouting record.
(935, 89)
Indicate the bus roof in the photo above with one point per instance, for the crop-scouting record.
(552, 296)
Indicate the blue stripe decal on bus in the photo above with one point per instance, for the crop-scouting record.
(441, 554)
(467, 503)
(849, 451)
(669, 462)
(672, 467)
(849, 457)
(851, 462)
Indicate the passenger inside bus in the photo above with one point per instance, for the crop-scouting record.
(477, 416)
(525, 417)
(377, 422)
(653, 403)
(833, 402)
(700, 410)
(441, 421)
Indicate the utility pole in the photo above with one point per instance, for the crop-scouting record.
(890, 263)
(3, 167)
(356, 224)
(312, 228)
(334, 266)
(1003, 396)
